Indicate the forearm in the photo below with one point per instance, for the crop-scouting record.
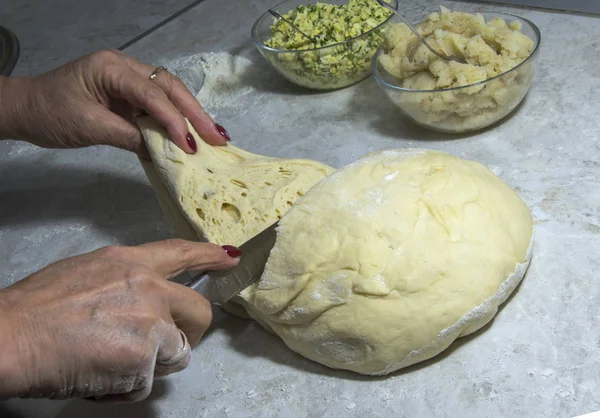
(15, 108)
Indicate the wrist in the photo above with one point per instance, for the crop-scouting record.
(13, 353)
(14, 107)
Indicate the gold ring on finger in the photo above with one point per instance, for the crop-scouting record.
(156, 71)
(183, 351)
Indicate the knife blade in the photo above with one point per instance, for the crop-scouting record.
(220, 286)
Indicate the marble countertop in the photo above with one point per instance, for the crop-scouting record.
(539, 357)
(52, 33)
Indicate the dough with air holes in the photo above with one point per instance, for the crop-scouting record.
(223, 194)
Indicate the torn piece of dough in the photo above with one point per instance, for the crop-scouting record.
(223, 194)
(387, 261)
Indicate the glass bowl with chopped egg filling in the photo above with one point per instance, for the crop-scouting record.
(501, 52)
(346, 35)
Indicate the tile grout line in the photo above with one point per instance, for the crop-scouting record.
(533, 8)
(159, 25)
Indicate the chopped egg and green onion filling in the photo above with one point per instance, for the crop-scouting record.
(328, 25)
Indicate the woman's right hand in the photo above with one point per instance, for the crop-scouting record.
(105, 323)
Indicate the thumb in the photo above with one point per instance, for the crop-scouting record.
(114, 130)
(171, 257)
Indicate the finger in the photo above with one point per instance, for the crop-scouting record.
(174, 353)
(136, 395)
(190, 311)
(172, 257)
(134, 387)
(110, 129)
(187, 104)
(184, 101)
(124, 83)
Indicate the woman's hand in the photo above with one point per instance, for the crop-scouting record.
(94, 100)
(106, 322)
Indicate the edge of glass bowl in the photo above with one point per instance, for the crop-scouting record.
(536, 30)
(268, 48)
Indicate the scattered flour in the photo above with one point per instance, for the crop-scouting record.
(17, 149)
(225, 78)
(219, 80)
(269, 115)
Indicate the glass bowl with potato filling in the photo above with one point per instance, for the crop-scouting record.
(446, 96)
(347, 35)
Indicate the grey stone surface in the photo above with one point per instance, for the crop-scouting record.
(54, 32)
(539, 357)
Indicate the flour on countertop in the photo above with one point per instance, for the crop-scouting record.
(242, 89)
(20, 148)
(217, 79)
(225, 79)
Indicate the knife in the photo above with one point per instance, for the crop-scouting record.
(220, 286)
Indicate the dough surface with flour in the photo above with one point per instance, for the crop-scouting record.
(387, 261)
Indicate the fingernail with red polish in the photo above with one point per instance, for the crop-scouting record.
(191, 142)
(222, 131)
(233, 252)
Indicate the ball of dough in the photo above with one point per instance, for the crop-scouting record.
(387, 261)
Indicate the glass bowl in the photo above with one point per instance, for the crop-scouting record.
(327, 68)
(467, 108)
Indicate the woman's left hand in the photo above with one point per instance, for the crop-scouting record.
(94, 101)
